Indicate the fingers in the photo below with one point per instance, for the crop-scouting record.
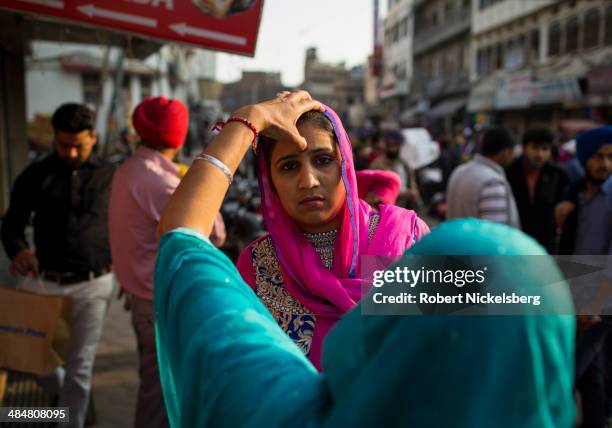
(283, 113)
(19, 269)
(299, 95)
(26, 265)
(311, 105)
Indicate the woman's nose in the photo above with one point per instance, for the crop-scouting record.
(308, 179)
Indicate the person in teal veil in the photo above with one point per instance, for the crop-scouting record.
(224, 361)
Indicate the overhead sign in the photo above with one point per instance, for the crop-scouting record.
(561, 90)
(514, 90)
(225, 25)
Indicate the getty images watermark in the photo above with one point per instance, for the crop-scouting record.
(471, 278)
(486, 285)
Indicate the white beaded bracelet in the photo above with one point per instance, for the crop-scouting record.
(216, 162)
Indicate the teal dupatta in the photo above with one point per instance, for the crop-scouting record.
(224, 362)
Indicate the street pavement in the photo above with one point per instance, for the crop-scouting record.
(115, 380)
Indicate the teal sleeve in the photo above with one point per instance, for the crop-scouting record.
(223, 360)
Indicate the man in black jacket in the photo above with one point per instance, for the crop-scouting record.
(65, 198)
(538, 185)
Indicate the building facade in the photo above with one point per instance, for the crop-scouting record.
(58, 73)
(541, 63)
(440, 86)
(253, 87)
(333, 84)
(397, 67)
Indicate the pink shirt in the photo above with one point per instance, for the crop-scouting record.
(141, 188)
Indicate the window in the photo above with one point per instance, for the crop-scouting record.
(592, 25)
(554, 39)
(146, 86)
(514, 53)
(571, 35)
(534, 46)
(486, 3)
(91, 89)
(608, 39)
(480, 62)
(446, 67)
(489, 64)
(404, 28)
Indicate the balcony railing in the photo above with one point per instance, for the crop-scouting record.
(433, 88)
(453, 25)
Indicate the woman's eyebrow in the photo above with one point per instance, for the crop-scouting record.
(310, 152)
(284, 158)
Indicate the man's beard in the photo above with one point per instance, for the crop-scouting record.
(535, 165)
(595, 180)
(392, 155)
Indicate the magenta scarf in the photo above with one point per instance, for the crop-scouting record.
(329, 294)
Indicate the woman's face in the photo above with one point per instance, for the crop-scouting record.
(309, 184)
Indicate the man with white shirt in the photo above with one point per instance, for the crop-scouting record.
(479, 188)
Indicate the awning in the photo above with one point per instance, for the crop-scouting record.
(447, 108)
(482, 94)
(574, 126)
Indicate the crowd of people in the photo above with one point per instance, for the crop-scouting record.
(274, 336)
(565, 206)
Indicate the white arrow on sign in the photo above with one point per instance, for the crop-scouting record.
(91, 10)
(56, 4)
(183, 29)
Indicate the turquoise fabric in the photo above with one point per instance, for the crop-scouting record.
(459, 371)
(224, 362)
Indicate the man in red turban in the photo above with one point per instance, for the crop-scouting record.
(378, 186)
(141, 188)
(161, 122)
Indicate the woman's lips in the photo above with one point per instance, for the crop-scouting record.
(312, 202)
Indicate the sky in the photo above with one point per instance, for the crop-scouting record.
(341, 30)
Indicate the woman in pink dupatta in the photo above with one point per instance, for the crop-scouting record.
(307, 272)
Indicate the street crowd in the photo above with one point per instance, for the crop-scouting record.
(292, 245)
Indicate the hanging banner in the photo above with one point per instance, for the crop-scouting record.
(556, 91)
(224, 25)
(514, 90)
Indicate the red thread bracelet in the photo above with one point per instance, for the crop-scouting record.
(220, 125)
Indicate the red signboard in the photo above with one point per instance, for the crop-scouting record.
(226, 25)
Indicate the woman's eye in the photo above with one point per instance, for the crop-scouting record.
(324, 160)
(289, 166)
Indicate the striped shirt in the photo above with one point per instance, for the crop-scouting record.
(493, 202)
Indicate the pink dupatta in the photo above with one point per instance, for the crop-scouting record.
(329, 294)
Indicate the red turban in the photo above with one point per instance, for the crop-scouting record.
(384, 184)
(160, 120)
